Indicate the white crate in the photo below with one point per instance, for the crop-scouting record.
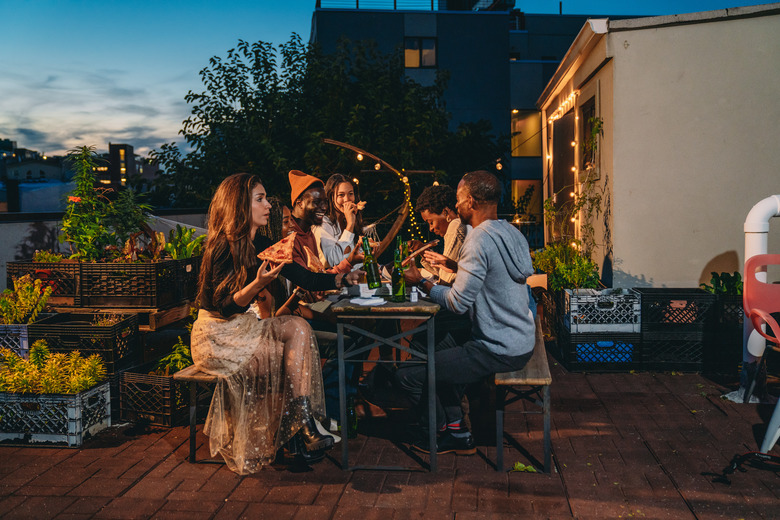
(57, 419)
(608, 310)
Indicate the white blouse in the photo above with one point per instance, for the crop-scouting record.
(333, 242)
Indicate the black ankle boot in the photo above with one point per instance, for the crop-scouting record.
(312, 439)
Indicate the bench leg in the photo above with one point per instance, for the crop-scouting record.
(193, 418)
(547, 446)
(500, 396)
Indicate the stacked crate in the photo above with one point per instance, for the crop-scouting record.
(600, 330)
(674, 327)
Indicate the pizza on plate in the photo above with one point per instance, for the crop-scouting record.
(281, 252)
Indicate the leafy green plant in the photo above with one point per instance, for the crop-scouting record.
(178, 359)
(46, 256)
(84, 224)
(47, 373)
(566, 267)
(726, 284)
(583, 202)
(94, 224)
(183, 244)
(27, 299)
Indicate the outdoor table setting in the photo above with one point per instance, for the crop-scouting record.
(350, 311)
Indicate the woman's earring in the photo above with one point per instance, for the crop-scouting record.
(449, 218)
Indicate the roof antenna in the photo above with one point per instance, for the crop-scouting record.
(560, 7)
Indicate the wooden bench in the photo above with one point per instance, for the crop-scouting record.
(193, 376)
(536, 375)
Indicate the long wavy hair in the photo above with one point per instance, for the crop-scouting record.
(229, 226)
(334, 214)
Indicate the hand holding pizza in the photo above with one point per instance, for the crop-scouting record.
(266, 275)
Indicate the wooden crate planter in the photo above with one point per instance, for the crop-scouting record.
(15, 338)
(126, 285)
(55, 419)
(62, 276)
(117, 344)
(608, 310)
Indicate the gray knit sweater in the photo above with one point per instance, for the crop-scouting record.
(493, 266)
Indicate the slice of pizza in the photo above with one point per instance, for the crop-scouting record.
(281, 252)
(313, 261)
(361, 205)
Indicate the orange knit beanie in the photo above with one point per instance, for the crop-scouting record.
(300, 182)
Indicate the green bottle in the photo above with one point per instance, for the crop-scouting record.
(399, 283)
(370, 266)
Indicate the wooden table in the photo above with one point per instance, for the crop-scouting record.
(346, 312)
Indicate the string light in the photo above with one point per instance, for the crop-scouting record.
(574, 168)
(377, 166)
(564, 107)
(571, 194)
(360, 157)
(435, 183)
(574, 143)
(355, 180)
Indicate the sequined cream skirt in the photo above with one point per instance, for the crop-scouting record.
(266, 384)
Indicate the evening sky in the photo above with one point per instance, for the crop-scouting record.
(93, 72)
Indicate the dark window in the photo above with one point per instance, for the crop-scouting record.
(419, 53)
(526, 133)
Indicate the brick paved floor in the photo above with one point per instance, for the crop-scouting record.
(624, 445)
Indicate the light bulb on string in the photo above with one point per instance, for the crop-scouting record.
(355, 180)
(360, 157)
(377, 166)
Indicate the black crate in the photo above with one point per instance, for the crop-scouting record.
(675, 310)
(63, 277)
(140, 285)
(724, 353)
(677, 351)
(154, 399)
(117, 344)
(188, 273)
(600, 351)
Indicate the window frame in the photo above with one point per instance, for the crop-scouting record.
(420, 40)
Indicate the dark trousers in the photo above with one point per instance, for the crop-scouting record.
(457, 365)
(328, 347)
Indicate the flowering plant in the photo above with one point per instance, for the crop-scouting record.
(93, 223)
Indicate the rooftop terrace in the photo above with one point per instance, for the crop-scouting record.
(641, 445)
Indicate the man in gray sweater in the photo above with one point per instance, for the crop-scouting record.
(493, 266)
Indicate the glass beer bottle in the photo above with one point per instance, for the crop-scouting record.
(399, 283)
(369, 264)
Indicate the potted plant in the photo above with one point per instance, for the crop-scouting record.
(18, 308)
(186, 248)
(52, 398)
(594, 329)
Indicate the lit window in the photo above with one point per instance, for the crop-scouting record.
(122, 154)
(526, 133)
(419, 53)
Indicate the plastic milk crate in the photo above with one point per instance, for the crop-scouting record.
(63, 277)
(600, 351)
(56, 419)
(14, 338)
(609, 310)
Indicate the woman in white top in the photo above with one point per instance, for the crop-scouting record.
(436, 205)
(340, 228)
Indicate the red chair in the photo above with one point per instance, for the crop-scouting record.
(760, 299)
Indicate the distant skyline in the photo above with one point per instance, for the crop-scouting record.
(89, 73)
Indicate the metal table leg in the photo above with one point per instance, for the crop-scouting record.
(431, 365)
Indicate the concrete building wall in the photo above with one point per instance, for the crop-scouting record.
(695, 146)
(690, 138)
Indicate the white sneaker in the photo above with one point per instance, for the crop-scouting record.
(323, 431)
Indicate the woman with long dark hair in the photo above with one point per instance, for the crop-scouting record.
(270, 385)
(338, 234)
